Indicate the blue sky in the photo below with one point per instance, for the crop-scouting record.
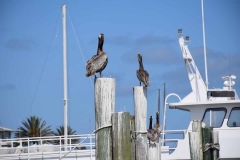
(31, 68)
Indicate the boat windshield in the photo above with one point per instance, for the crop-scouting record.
(214, 117)
(234, 118)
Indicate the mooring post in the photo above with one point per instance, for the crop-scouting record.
(206, 138)
(133, 135)
(104, 94)
(153, 151)
(121, 136)
(216, 146)
(195, 141)
(140, 109)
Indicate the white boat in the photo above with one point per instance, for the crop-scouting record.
(218, 108)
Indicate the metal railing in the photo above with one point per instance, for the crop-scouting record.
(171, 149)
(53, 147)
(48, 147)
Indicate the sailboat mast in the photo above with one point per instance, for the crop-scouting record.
(65, 84)
(204, 46)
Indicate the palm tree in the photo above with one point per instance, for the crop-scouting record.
(60, 132)
(33, 127)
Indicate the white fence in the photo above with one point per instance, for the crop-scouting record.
(51, 148)
(48, 147)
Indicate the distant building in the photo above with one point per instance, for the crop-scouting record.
(5, 133)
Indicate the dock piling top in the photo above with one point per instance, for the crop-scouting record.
(104, 99)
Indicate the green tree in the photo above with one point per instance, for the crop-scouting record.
(33, 127)
(60, 132)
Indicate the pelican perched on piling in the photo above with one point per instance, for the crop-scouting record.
(151, 133)
(99, 61)
(142, 74)
(157, 125)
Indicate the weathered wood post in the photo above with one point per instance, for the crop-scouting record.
(195, 141)
(140, 109)
(121, 136)
(132, 128)
(206, 137)
(104, 94)
(215, 143)
(159, 148)
(153, 151)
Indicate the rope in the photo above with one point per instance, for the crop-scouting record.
(140, 132)
(95, 131)
(85, 139)
(207, 146)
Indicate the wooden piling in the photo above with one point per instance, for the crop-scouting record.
(195, 141)
(104, 97)
(140, 109)
(197, 127)
(121, 136)
(206, 137)
(153, 151)
(132, 128)
(215, 142)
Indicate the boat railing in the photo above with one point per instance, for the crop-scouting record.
(48, 147)
(172, 142)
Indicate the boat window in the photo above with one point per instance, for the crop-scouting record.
(214, 117)
(234, 118)
(221, 94)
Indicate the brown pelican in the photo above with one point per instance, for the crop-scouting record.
(142, 74)
(157, 126)
(99, 61)
(151, 133)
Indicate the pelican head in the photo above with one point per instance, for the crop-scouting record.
(101, 35)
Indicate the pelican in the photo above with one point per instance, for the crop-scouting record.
(142, 74)
(157, 125)
(99, 61)
(151, 133)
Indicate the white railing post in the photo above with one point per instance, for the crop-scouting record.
(70, 139)
(28, 149)
(91, 146)
(164, 115)
(60, 148)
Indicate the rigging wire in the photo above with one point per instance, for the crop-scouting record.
(42, 70)
(58, 27)
(74, 30)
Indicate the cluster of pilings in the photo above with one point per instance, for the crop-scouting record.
(120, 136)
(204, 142)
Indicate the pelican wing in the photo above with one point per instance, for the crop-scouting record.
(96, 64)
(143, 76)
